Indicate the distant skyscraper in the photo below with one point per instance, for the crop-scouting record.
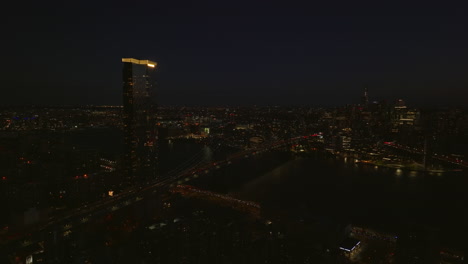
(365, 98)
(140, 131)
(400, 103)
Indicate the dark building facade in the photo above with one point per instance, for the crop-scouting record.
(365, 98)
(139, 118)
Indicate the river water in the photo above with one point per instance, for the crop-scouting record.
(392, 200)
(323, 186)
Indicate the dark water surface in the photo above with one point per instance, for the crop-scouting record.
(322, 186)
(384, 198)
(105, 140)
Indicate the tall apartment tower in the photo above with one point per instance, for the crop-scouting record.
(365, 98)
(139, 118)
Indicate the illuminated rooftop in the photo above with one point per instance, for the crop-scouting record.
(151, 64)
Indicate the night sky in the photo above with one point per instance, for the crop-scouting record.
(237, 53)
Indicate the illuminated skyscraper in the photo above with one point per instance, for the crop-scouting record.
(139, 117)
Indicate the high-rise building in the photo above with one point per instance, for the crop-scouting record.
(139, 118)
(365, 98)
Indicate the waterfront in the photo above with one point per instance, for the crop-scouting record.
(325, 187)
(332, 188)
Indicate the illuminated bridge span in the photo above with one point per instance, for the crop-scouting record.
(450, 159)
(191, 169)
(186, 189)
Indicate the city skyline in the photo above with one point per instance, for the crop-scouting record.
(242, 55)
(234, 132)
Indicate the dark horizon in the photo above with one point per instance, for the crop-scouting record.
(314, 106)
(255, 54)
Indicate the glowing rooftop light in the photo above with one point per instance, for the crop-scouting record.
(148, 63)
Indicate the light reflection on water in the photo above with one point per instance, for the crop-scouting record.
(207, 153)
(380, 196)
(399, 172)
